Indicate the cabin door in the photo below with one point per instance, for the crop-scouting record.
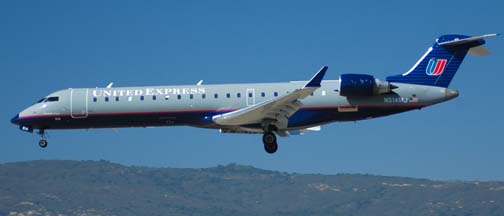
(250, 97)
(79, 103)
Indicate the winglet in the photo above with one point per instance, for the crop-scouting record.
(317, 78)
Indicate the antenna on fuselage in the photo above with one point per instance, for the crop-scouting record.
(199, 82)
(110, 85)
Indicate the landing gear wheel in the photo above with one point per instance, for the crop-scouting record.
(269, 138)
(270, 143)
(42, 143)
(271, 148)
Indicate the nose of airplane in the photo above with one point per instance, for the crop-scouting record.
(15, 120)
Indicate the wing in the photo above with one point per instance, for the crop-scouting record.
(275, 111)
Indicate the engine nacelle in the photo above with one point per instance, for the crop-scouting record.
(362, 85)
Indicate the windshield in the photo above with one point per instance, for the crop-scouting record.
(52, 99)
(40, 101)
(47, 99)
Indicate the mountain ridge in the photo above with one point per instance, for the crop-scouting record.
(52, 187)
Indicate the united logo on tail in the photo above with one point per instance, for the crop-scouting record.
(435, 67)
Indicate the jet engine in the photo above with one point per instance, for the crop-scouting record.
(363, 85)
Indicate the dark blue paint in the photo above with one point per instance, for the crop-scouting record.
(454, 54)
(317, 79)
(357, 85)
(15, 120)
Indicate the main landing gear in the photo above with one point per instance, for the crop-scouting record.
(270, 142)
(43, 141)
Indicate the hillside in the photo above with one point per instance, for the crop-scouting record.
(104, 188)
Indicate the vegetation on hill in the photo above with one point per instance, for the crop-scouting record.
(104, 188)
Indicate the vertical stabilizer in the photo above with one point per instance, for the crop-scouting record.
(438, 65)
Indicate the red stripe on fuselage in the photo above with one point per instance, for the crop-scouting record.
(223, 110)
(127, 113)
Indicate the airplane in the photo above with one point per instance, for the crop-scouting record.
(270, 109)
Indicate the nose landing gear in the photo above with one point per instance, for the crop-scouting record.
(270, 142)
(43, 141)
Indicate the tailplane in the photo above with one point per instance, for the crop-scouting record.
(438, 65)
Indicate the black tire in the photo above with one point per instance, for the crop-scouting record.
(270, 142)
(271, 147)
(42, 143)
(269, 138)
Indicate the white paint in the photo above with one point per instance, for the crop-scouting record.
(418, 62)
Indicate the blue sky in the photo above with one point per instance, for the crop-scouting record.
(50, 45)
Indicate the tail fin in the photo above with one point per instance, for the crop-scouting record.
(438, 65)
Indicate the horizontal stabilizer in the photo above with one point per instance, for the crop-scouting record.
(458, 41)
(479, 51)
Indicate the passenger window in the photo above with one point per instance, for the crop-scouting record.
(95, 99)
(52, 99)
(154, 97)
(167, 97)
(216, 96)
(142, 97)
(263, 94)
(117, 98)
(106, 99)
(179, 97)
(191, 96)
(250, 94)
(275, 94)
(203, 96)
(130, 98)
(228, 95)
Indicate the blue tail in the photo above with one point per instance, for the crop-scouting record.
(438, 65)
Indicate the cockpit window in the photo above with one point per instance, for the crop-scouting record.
(40, 101)
(52, 99)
